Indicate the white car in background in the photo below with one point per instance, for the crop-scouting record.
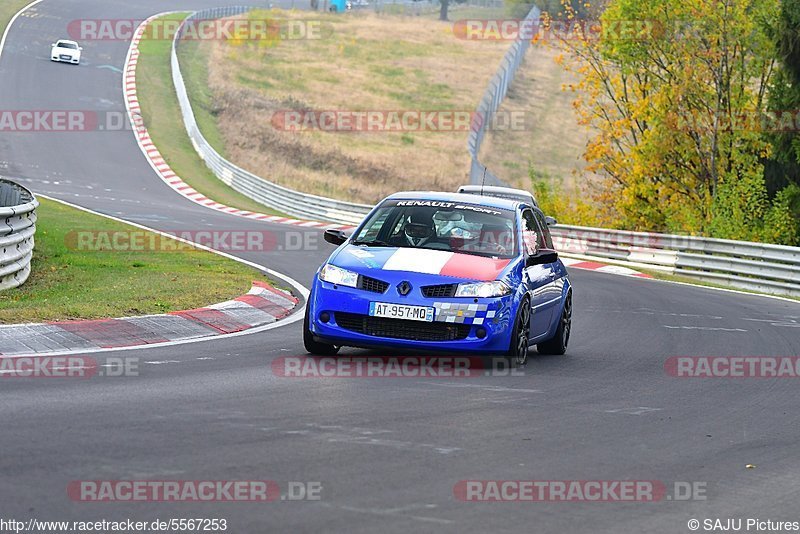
(66, 51)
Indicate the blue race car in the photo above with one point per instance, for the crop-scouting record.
(442, 271)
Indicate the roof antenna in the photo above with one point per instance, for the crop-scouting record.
(483, 180)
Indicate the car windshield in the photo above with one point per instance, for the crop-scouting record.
(71, 46)
(441, 225)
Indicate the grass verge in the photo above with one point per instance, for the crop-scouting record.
(8, 8)
(162, 115)
(67, 283)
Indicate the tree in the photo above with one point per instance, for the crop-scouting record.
(782, 170)
(443, 9)
(676, 90)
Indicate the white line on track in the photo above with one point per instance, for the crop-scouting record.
(791, 322)
(394, 512)
(483, 387)
(707, 328)
(636, 410)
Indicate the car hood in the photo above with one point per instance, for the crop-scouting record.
(435, 263)
(70, 51)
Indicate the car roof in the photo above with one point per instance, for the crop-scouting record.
(492, 202)
(495, 189)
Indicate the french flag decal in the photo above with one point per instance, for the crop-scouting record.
(445, 263)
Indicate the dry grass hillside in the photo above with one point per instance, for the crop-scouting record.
(387, 63)
(552, 143)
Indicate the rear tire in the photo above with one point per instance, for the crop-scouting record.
(520, 337)
(558, 343)
(315, 347)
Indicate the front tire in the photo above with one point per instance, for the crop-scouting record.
(315, 347)
(558, 343)
(520, 337)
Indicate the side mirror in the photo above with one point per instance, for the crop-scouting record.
(335, 237)
(80, 48)
(543, 257)
(53, 45)
(551, 221)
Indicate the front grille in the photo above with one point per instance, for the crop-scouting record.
(401, 328)
(371, 284)
(442, 290)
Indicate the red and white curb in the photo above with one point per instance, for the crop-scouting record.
(262, 305)
(602, 267)
(162, 168)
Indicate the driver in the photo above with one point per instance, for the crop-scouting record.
(419, 228)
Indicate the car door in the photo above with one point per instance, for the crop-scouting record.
(537, 278)
(555, 289)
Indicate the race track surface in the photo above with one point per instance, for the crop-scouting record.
(388, 451)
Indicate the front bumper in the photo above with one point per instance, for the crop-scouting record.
(457, 326)
(65, 59)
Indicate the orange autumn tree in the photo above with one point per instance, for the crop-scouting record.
(674, 91)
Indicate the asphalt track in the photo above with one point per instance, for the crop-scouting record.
(388, 451)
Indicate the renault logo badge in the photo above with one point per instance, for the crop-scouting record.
(404, 288)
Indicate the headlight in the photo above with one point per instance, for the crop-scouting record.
(483, 289)
(335, 275)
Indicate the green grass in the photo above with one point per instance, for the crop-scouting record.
(193, 60)
(162, 115)
(67, 283)
(8, 8)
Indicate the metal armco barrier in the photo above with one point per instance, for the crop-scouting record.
(292, 202)
(17, 227)
(490, 103)
(755, 266)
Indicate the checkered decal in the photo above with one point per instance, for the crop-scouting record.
(452, 312)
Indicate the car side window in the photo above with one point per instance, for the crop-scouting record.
(371, 232)
(530, 233)
(548, 240)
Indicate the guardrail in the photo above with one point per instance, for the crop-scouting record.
(755, 266)
(270, 194)
(17, 228)
(490, 103)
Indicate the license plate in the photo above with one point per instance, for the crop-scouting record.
(401, 311)
(66, 58)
